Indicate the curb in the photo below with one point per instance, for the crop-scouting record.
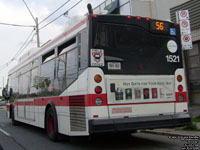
(171, 133)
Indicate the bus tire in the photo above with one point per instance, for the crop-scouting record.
(14, 122)
(51, 125)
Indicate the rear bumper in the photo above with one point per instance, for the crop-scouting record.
(138, 123)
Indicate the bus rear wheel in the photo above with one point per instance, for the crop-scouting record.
(51, 125)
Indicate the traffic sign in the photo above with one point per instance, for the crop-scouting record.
(186, 41)
(186, 38)
(185, 27)
(183, 14)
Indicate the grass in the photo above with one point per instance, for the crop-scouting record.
(197, 119)
(192, 127)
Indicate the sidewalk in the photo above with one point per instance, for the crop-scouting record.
(173, 132)
(194, 112)
(3, 107)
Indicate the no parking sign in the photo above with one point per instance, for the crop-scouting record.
(183, 15)
(185, 27)
(186, 41)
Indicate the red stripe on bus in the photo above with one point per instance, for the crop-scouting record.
(54, 41)
(8, 107)
(80, 100)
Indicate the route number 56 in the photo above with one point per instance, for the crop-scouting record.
(159, 25)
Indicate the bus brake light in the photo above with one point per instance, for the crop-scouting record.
(98, 90)
(95, 16)
(147, 19)
(138, 17)
(180, 88)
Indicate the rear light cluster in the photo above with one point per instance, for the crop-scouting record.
(180, 88)
(98, 89)
(180, 79)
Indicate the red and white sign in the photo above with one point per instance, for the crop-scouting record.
(186, 38)
(185, 24)
(183, 15)
(186, 42)
(185, 27)
(97, 57)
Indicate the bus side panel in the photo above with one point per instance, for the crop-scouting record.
(63, 119)
(25, 111)
(181, 107)
(73, 119)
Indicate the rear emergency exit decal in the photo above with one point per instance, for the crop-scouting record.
(97, 57)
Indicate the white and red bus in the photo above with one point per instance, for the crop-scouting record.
(107, 73)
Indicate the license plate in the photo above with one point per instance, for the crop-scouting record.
(114, 65)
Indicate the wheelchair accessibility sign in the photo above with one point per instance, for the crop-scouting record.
(172, 31)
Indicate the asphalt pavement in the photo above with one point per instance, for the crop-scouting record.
(25, 137)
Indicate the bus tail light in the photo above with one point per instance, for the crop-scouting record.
(98, 101)
(180, 88)
(138, 17)
(97, 78)
(95, 116)
(147, 19)
(129, 17)
(98, 90)
(181, 98)
(95, 16)
(179, 78)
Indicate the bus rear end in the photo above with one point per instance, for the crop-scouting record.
(139, 62)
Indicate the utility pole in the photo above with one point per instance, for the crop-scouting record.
(3, 81)
(36, 24)
(37, 32)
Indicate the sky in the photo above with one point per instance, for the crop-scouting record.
(15, 12)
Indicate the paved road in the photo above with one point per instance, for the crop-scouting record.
(25, 137)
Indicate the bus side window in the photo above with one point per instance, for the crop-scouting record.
(72, 66)
(83, 51)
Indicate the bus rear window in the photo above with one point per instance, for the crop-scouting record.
(140, 51)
